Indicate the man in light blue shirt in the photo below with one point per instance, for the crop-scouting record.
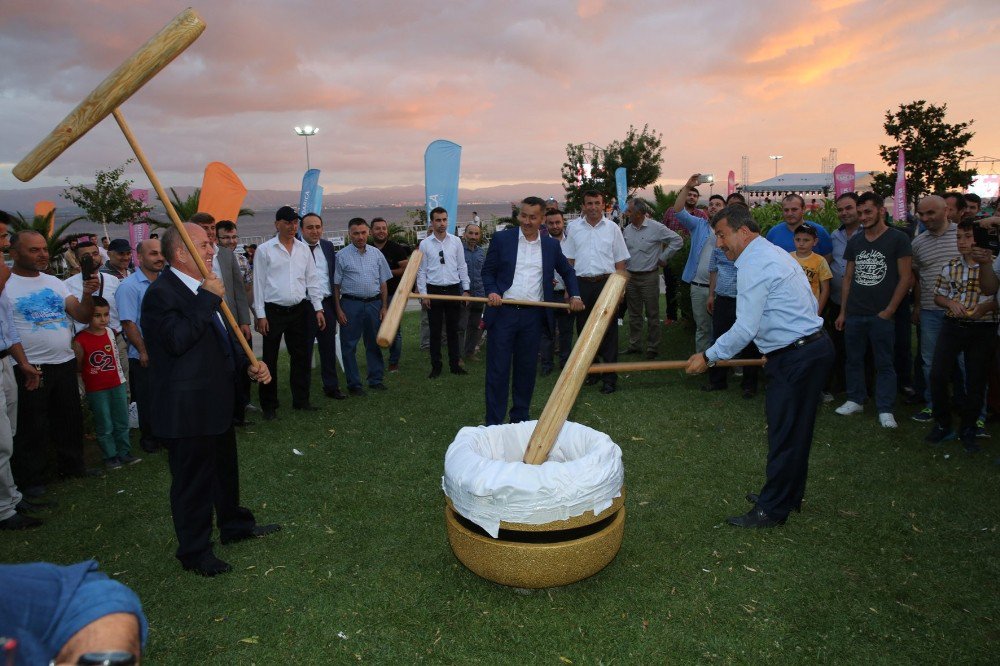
(696, 269)
(775, 308)
(783, 235)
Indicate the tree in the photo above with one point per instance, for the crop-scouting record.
(189, 206)
(934, 151)
(109, 201)
(662, 201)
(54, 241)
(640, 152)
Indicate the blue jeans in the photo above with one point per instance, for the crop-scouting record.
(859, 331)
(930, 328)
(362, 320)
(396, 348)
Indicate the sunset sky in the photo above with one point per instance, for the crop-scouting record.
(512, 81)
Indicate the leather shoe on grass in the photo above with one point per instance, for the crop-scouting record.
(33, 506)
(591, 380)
(435, 373)
(753, 498)
(270, 415)
(378, 387)
(209, 566)
(336, 394)
(357, 392)
(19, 521)
(257, 531)
(608, 389)
(754, 518)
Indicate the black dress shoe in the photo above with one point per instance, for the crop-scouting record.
(591, 380)
(378, 387)
(608, 389)
(257, 531)
(457, 370)
(435, 373)
(19, 521)
(209, 566)
(753, 498)
(357, 392)
(306, 408)
(334, 393)
(30, 506)
(270, 415)
(708, 388)
(755, 518)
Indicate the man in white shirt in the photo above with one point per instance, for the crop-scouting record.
(443, 271)
(50, 415)
(596, 249)
(283, 275)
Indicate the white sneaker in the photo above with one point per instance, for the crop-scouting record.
(849, 408)
(887, 420)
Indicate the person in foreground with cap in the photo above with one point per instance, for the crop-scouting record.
(286, 285)
(776, 309)
(119, 258)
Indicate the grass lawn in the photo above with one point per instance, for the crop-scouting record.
(894, 558)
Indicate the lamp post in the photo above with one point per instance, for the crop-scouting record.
(775, 158)
(307, 132)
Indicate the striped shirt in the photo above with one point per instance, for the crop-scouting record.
(930, 254)
(959, 281)
(8, 332)
(360, 274)
(725, 273)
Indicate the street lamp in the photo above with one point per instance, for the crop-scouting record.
(775, 158)
(307, 132)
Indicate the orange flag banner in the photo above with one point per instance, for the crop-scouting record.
(43, 208)
(222, 192)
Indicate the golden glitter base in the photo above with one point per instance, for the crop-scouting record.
(537, 565)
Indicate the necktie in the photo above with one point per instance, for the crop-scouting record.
(312, 250)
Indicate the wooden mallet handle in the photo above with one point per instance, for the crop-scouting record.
(573, 375)
(639, 366)
(179, 225)
(482, 299)
(394, 313)
(121, 84)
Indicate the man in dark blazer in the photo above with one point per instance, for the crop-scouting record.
(520, 265)
(226, 269)
(193, 365)
(323, 252)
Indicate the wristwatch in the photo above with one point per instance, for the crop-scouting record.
(708, 362)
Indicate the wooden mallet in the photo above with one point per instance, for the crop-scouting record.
(105, 99)
(404, 292)
(574, 373)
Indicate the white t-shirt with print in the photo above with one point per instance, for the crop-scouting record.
(39, 308)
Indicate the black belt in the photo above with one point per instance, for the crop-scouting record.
(801, 342)
(654, 270)
(348, 297)
(593, 278)
(699, 284)
(284, 308)
(5, 353)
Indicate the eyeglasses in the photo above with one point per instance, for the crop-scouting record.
(441, 256)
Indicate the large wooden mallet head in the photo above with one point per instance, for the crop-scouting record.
(121, 84)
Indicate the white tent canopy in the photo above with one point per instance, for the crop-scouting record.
(805, 182)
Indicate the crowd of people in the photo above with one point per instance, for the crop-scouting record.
(872, 282)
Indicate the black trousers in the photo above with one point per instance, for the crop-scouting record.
(139, 377)
(977, 342)
(563, 323)
(795, 379)
(670, 283)
(608, 351)
(49, 419)
(447, 314)
(326, 341)
(723, 318)
(204, 474)
(288, 322)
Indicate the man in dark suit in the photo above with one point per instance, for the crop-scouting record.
(520, 265)
(193, 365)
(324, 256)
(226, 268)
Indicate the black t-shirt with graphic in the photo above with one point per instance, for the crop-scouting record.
(876, 271)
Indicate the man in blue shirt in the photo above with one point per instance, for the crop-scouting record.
(129, 297)
(783, 235)
(776, 310)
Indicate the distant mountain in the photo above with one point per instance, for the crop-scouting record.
(24, 200)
